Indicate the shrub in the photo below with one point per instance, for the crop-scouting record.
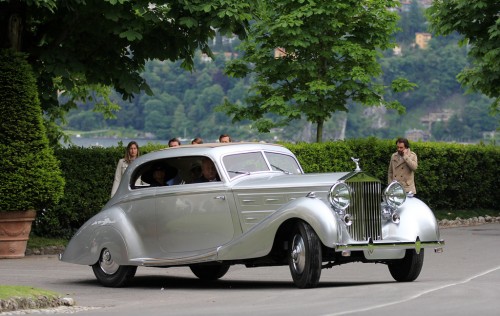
(30, 173)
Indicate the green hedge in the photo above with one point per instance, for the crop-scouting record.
(449, 176)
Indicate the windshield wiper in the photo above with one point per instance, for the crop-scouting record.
(239, 172)
(279, 169)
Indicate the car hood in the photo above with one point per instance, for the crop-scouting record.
(281, 180)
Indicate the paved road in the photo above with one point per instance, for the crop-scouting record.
(464, 280)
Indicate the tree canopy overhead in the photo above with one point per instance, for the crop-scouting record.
(312, 57)
(81, 46)
(478, 21)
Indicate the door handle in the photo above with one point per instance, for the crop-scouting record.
(220, 197)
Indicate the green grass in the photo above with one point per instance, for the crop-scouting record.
(9, 291)
(40, 242)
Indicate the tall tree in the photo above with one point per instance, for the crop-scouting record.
(326, 55)
(78, 46)
(478, 22)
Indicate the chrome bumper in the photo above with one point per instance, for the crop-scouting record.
(371, 245)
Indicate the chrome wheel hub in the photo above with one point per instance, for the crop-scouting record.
(298, 254)
(107, 264)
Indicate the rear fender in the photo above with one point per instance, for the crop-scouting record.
(102, 231)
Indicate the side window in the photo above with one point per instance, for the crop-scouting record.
(136, 181)
(204, 170)
(174, 171)
(190, 168)
(162, 172)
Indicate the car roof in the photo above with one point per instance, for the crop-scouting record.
(213, 150)
(223, 148)
(215, 145)
(190, 154)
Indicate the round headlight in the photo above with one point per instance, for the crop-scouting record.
(394, 195)
(340, 195)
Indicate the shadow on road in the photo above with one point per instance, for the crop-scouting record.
(186, 283)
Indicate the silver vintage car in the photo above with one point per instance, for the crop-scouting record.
(261, 209)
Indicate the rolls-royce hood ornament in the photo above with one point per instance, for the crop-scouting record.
(356, 161)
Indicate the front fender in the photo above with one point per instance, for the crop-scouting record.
(416, 219)
(258, 241)
(108, 229)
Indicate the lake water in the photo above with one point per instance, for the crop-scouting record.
(113, 142)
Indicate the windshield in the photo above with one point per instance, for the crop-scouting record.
(284, 163)
(246, 163)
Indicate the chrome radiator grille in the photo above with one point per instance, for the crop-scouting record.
(365, 210)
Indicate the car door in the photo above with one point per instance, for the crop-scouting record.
(193, 218)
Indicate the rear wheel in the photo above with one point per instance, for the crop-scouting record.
(209, 272)
(109, 273)
(305, 256)
(407, 269)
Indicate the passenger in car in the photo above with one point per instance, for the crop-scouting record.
(173, 176)
(163, 175)
(208, 171)
(195, 171)
(159, 176)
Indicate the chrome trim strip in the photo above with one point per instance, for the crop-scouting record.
(152, 262)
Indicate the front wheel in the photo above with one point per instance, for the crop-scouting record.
(407, 269)
(209, 272)
(109, 273)
(305, 256)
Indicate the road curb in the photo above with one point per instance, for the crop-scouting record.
(460, 222)
(41, 302)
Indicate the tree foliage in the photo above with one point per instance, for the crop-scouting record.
(434, 70)
(479, 24)
(327, 56)
(77, 47)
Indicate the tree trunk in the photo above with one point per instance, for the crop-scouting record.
(12, 26)
(343, 126)
(319, 131)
